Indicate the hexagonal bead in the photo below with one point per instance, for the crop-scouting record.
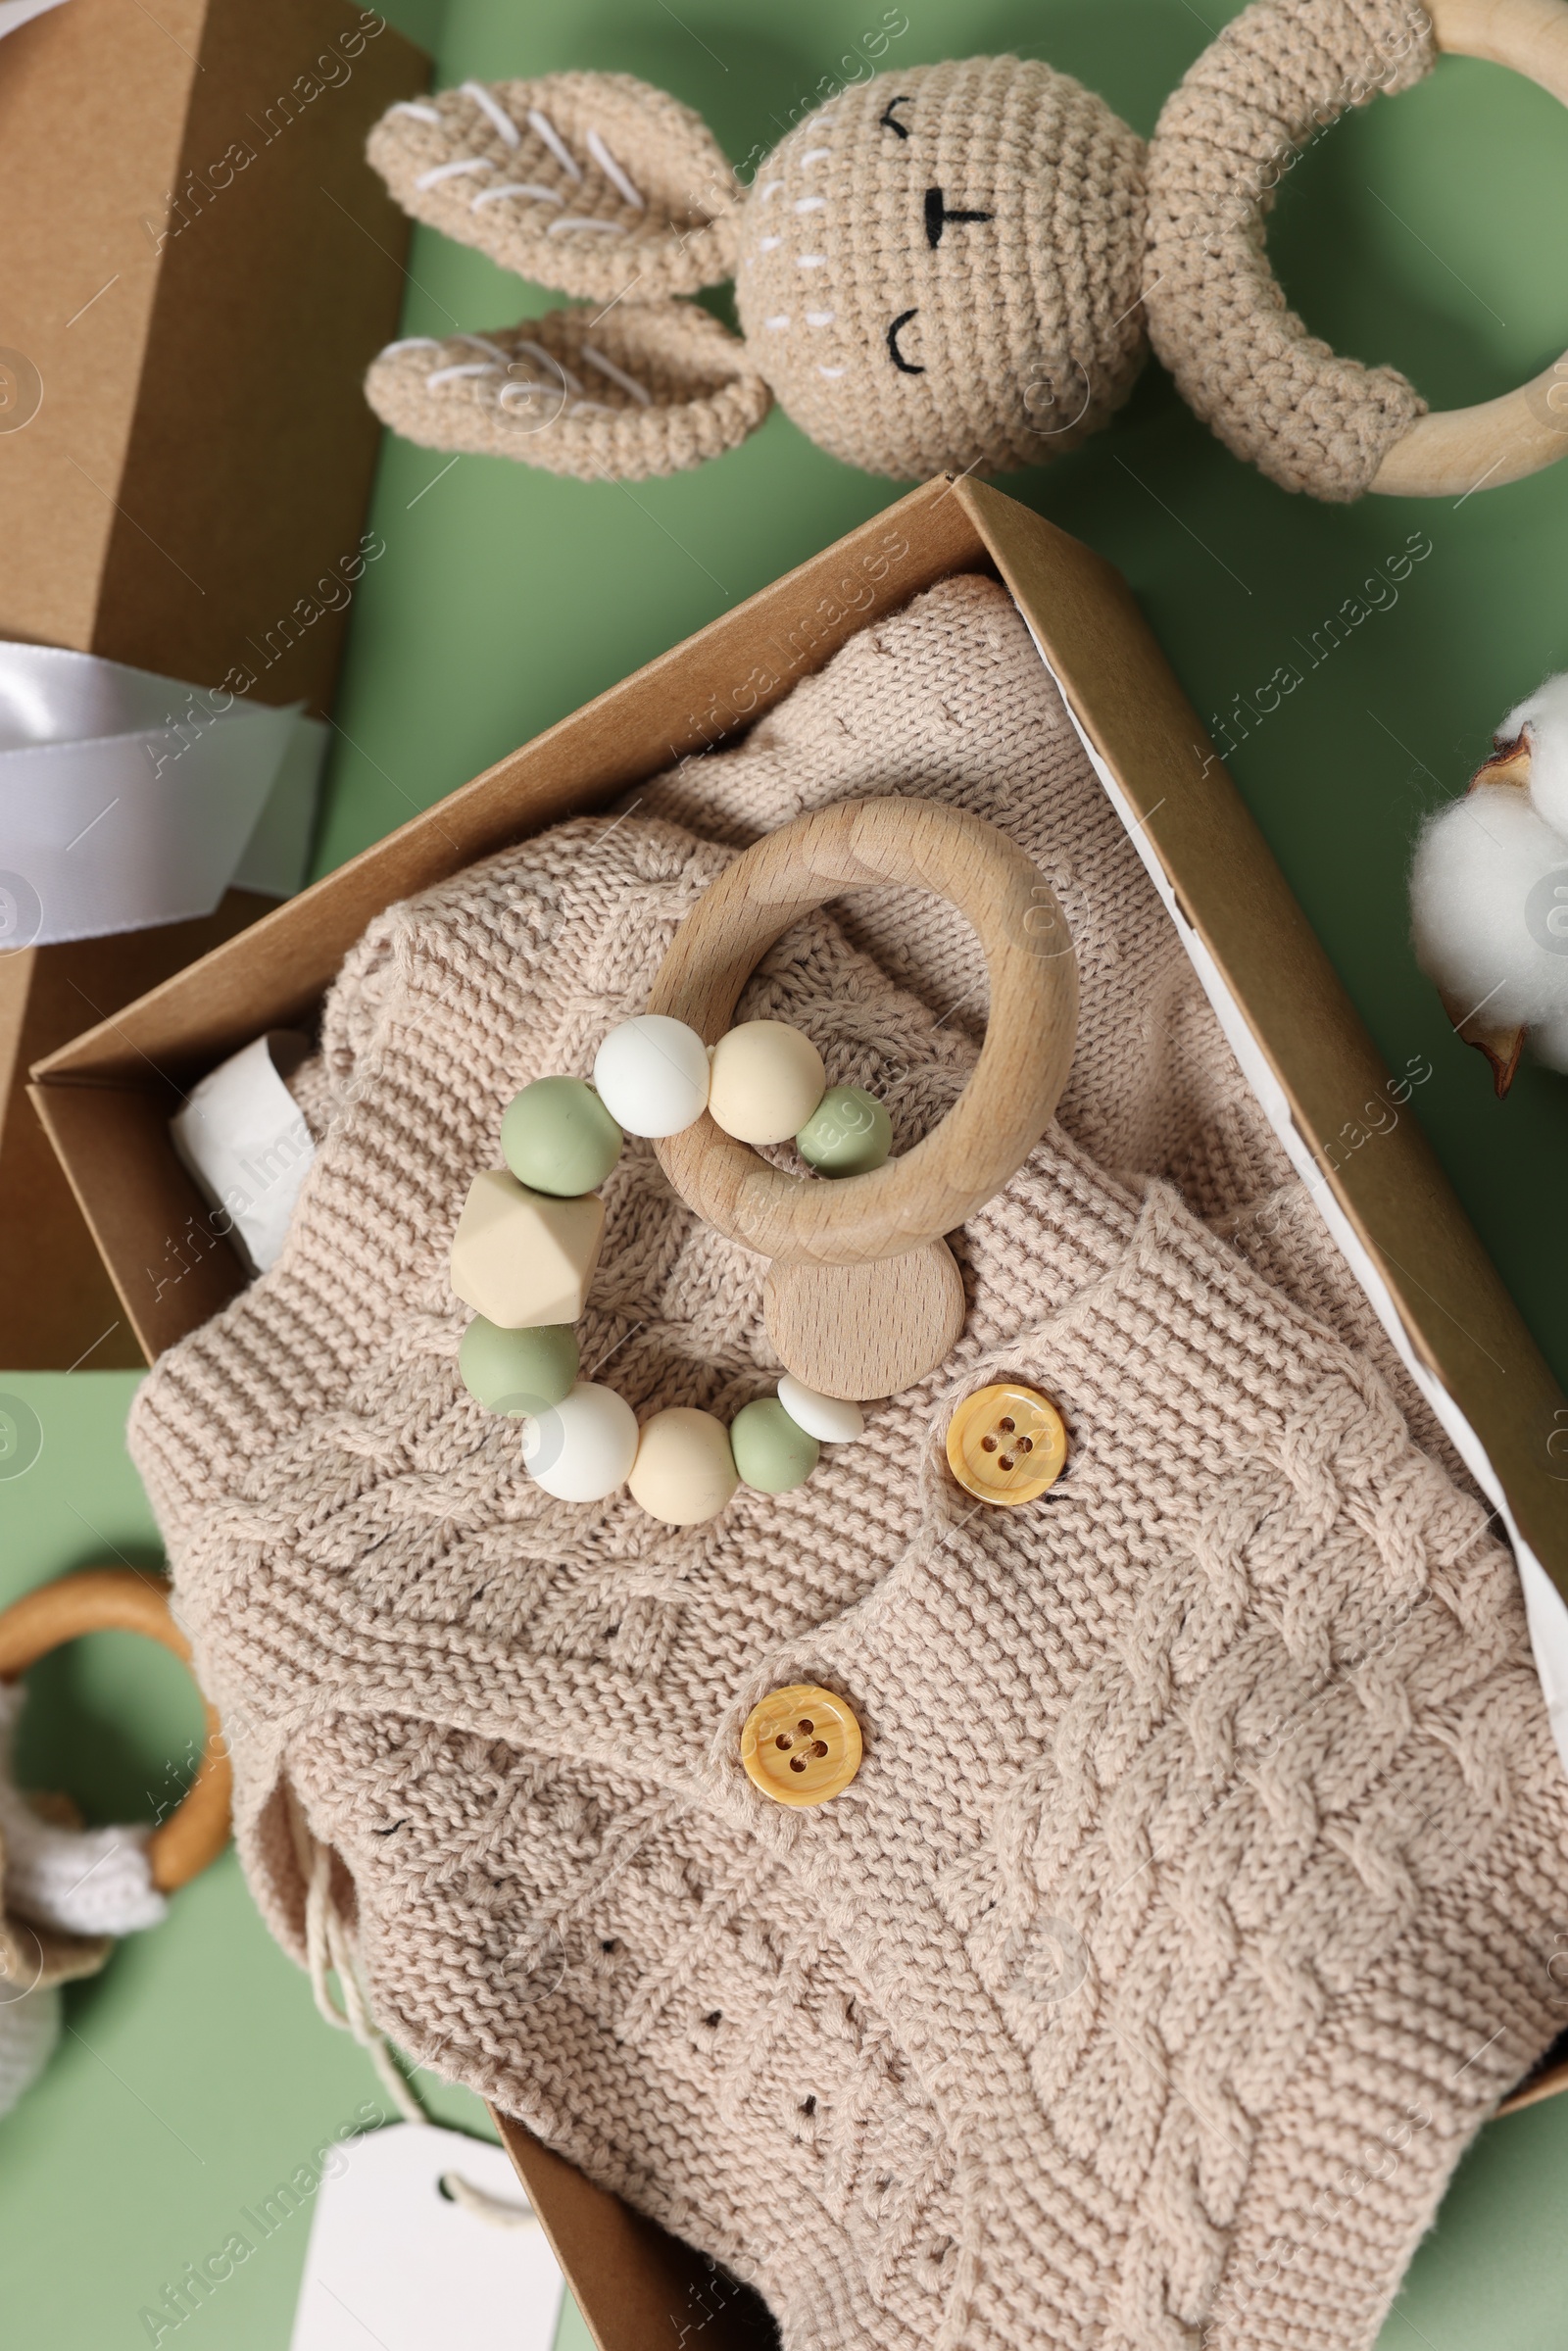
(523, 1258)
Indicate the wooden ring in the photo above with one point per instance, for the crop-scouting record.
(1497, 440)
(1308, 418)
(116, 1599)
(1015, 1085)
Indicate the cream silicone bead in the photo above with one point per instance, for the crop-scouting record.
(580, 1449)
(830, 1419)
(651, 1074)
(767, 1081)
(684, 1472)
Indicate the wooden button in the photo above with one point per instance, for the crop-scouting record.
(801, 1745)
(1006, 1443)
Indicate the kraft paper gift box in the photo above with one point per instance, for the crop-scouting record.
(199, 266)
(107, 1098)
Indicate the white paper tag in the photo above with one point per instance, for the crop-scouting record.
(243, 1138)
(392, 2262)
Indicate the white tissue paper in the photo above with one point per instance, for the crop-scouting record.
(243, 1139)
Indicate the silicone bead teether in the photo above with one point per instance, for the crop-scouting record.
(684, 1472)
(558, 1136)
(580, 1449)
(517, 1371)
(863, 1296)
(772, 1452)
(651, 1074)
(767, 1080)
(849, 1133)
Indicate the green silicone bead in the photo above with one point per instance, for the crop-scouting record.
(849, 1133)
(773, 1453)
(517, 1371)
(558, 1136)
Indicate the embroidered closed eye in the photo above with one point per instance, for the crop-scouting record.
(904, 365)
(887, 120)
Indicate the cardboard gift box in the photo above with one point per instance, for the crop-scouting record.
(199, 266)
(106, 1099)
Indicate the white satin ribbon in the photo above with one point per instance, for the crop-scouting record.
(14, 12)
(125, 798)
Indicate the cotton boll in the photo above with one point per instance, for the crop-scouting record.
(1489, 896)
(1550, 1041)
(1545, 714)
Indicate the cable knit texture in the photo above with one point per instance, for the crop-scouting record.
(1282, 73)
(1191, 1905)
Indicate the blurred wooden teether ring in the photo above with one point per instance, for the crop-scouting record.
(105, 1600)
(901, 1312)
(1309, 417)
(1498, 440)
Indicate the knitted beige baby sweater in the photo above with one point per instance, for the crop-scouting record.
(1191, 1904)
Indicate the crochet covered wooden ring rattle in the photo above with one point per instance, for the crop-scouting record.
(115, 1599)
(1309, 417)
(1497, 440)
(863, 1296)
(942, 267)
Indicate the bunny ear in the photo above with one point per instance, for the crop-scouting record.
(646, 388)
(592, 183)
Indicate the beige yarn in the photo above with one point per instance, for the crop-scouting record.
(1025, 325)
(1017, 332)
(1283, 71)
(34, 1957)
(679, 239)
(534, 395)
(1209, 1822)
(907, 340)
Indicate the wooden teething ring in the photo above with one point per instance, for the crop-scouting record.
(1218, 316)
(864, 1297)
(1498, 440)
(115, 1599)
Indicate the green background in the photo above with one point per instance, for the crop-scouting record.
(1428, 232)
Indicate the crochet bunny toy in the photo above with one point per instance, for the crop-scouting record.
(946, 269)
(63, 1893)
(65, 1890)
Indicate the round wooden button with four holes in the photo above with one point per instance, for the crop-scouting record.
(1006, 1443)
(801, 1744)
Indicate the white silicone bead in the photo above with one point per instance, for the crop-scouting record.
(651, 1074)
(767, 1080)
(830, 1419)
(583, 1448)
(684, 1472)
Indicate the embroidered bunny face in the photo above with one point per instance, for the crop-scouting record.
(938, 271)
(941, 270)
